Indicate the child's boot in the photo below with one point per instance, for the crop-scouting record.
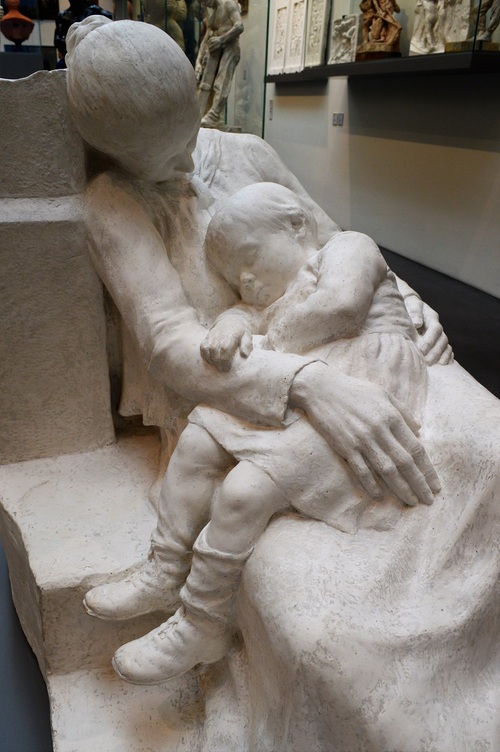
(154, 586)
(202, 629)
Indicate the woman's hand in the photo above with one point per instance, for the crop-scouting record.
(370, 430)
(432, 342)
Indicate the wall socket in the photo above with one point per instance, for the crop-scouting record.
(271, 109)
(338, 118)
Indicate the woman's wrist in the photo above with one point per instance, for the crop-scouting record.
(300, 390)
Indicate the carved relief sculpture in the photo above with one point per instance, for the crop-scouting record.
(317, 21)
(344, 39)
(296, 32)
(278, 26)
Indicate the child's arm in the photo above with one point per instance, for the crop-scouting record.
(350, 269)
(231, 331)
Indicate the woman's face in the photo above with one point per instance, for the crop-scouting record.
(160, 159)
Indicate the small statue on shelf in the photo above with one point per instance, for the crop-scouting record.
(427, 35)
(379, 29)
(218, 56)
(486, 26)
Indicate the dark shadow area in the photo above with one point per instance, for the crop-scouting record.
(460, 111)
(470, 317)
(24, 706)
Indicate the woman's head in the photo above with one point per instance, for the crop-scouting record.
(259, 239)
(132, 94)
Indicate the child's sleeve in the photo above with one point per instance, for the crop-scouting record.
(350, 268)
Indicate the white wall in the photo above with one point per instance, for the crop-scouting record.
(416, 164)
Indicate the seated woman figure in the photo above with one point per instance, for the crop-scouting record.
(408, 645)
(340, 304)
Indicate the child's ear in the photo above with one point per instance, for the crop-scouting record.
(298, 222)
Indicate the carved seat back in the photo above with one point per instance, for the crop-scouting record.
(54, 384)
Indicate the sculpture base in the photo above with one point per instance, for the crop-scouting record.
(469, 45)
(374, 51)
(67, 524)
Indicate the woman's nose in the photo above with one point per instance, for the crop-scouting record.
(185, 163)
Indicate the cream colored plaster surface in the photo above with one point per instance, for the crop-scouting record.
(68, 522)
(116, 717)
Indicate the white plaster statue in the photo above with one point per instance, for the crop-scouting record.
(340, 304)
(168, 16)
(218, 56)
(381, 639)
(427, 36)
(454, 19)
(487, 24)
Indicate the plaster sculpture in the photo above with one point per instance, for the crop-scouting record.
(316, 30)
(378, 639)
(454, 20)
(380, 31)
(167, 15)
(340, 304)
(488, 20)
(278, 25)
(295, 37)
(343, 39)
(218, 56)
(427, 35)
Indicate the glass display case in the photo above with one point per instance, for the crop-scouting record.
(312, 39)
(183, 21)
(20, 36)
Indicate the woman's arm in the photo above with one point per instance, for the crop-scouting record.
(130, 257)
(356, 418)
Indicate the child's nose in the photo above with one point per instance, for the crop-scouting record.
(247, 279)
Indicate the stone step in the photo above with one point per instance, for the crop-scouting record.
(67, 524)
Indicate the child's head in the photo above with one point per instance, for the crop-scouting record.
(132, 93)
(259, 239)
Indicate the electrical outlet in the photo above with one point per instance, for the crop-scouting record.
(271, 109)
(338, 118)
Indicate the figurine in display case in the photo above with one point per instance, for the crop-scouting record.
(218, 56)
(380, 30)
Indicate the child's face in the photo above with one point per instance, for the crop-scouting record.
(269, 262)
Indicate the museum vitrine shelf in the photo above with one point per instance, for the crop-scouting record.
(312, 40)
(453, 62)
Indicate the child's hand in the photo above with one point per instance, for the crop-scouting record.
(224, 339)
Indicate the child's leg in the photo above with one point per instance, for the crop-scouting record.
(242, 508)
(196, 467)
(195, 470)
(201, 631)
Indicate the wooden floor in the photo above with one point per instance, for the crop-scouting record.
(472, 321)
